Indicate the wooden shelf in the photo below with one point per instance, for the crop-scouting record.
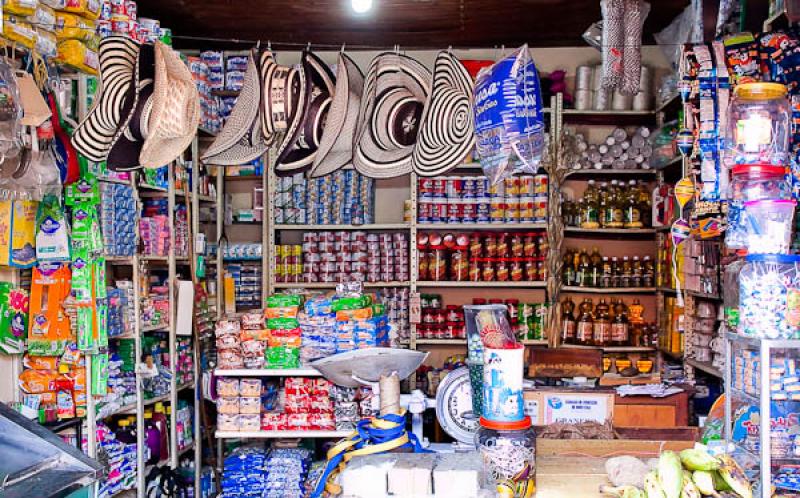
(706, 367)
(702, 295)
(251, 372)
(611, 231)
(467, 285)
(619, 380)
(608, 290)
(614, 349)
(667, 290)
(610, 172)
(373, 226)
(243, 178)
(332, 285)
(280, 434)
(670, 354)
(506, 227)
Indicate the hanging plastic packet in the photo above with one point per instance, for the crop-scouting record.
(10, 113)
(509, 120)
(22, 253)
(52, 235)
(100, 374)
(13, 319)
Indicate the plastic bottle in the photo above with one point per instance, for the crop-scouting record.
(620, 328)
(627, 273)
(124, 433)
(568, 324)
(601, 330)
(616, 272)
(152, 438)
(160, 421)
(583, 332)
(597, 268)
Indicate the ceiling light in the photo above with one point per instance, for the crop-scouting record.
(361, 6)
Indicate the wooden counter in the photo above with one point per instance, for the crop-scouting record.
(576, 468)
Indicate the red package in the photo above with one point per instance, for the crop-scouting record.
(322, 422)
(300, 403)
(274, 421)
(298, 385)
(321, 387)
(321, 404)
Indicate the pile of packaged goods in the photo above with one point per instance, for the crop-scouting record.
(54, 386)
(287, 469)
(673, 325)
(184, 428)
(246, 284)
(483, 257)
(185, 364)
(241, 251)
(210, 106)
(307, 406)
(155, 300)
(155, 234)
(119, 449)
(349, 256)
(395, 301)
(341, 198)
(472, 199)
(155, 350)
(276, 473)
(620, 150)
(614, 205)
(118, 219)
(527, 320)
(239, 404)
(120, 308)
(121, 386)
(155, 177)
(582, 269)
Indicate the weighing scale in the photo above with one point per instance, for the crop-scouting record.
(453, 403)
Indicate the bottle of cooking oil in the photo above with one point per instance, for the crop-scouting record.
(602, 204)
(584, 330)
(601, 330)
(589, 217)
(620, 327)
(597, 267)
(568, 323)
(633, 215)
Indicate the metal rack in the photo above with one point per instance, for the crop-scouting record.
(765, 347)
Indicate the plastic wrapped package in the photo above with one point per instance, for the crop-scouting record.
(20, 7)
(252, 320)
(46, 43)
(18, 30)
(227, 388)
(250, 388)
(226, 422)
(86, 8)
(228, 359)
(76, 54)
(73, 27)
(249, 422)
(509, 120)
(250, 406)
(229, 406)
(43, 18)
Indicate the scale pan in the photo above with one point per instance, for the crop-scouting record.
(369, 365)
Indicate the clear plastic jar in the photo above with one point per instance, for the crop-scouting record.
(759, 123)
(752, 182)
(508, 450)
(769, 296)
(730, 293)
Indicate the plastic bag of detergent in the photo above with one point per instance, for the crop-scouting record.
(509, 119)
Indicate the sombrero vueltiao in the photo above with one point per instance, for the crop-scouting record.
(447, 130)
(298, 148)
(395, 92)
(175, 110)
(336, 146)
(93, 136)
(123, 155)
(241, 139)
(280, 89)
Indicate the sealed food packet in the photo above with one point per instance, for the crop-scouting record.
(494, 329)
(509, 118)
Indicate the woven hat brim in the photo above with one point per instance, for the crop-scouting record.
(309, 118)
(336, 146)
(447, 130)
(93, 136)
(393, 81)
(237, 138)
(176, 110)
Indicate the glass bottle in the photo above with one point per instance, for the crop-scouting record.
(616, 206)
(616, 272)
(601, 330)
(569, 270)
(584, 330)
(635, 311)
(633, 216)
(568, 324)
(597, 267)
(576, 265)
(645, 205)
(589, 217)
(620, 327)
(648, 272)
(636, 272)
(585, 269)
(606, 278)
(626, 273)
(602, 204)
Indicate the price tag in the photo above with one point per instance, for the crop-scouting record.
(415, 308)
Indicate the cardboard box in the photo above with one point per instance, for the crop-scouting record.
(547, 406)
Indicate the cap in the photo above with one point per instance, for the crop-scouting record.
(517, 425)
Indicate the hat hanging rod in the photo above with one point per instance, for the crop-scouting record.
(347, 46)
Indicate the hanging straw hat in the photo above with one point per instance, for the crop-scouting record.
(336, 145)
(241, 139)
(175, 110)
(395, 92)
(280, 86)
(123, 155)
(447, 131)
(93, 136)
(298, 148)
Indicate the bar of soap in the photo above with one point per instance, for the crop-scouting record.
(457, 474)
(366, 476)
(410, 477)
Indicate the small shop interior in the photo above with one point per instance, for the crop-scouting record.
(407, 249)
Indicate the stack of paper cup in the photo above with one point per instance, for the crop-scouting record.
(583, 88)
(602, 96)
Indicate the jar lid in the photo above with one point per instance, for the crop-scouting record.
(769, 169)
(773, 258)
(760, 91)
(767, 202)
(517, 425)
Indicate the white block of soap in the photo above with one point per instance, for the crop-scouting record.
(457, 474)
(411, 476)
(366, 476)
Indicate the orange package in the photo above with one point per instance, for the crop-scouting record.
(40, 362)
(281, 312)
(350, 315)
(37, 381)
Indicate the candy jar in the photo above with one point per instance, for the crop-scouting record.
(758, 126)
(769, 302)
(508, 450)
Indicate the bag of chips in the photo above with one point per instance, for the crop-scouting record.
(509, 119)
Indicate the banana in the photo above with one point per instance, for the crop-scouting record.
(689, 489)
(652, 486)
(719, 482)
(619, 491)
(734, 476)
(633, 493)
(694, 459)
(704, 480)
(670, 474)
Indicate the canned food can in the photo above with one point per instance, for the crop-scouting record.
(541, 183)
(526, 208)
(481, 186)
(121, 26)
(118, 7)
(512, 211)
(526, 185)
(104, 31)
(439, 188)
(540, 207)
(497, 211)
(468, 187)
(496, 190)
(130, 9)
(453, 187)
(425, 188)
(470, 212)
(105, 10)
(512, 185)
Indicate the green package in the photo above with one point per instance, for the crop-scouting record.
(82, 192)
(378, 309)
(99, 374)
(351, 303)
(283, 300)
(282, 323)
(280, 357)
(85, 329)
(99, 270)
(10, 340)
(102, 324)
(82, 276)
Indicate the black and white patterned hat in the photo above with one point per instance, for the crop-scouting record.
(94, 135)
(447, 129)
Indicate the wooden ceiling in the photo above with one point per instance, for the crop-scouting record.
(409, 23)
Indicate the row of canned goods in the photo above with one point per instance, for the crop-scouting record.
(476, 187)
(484, 210)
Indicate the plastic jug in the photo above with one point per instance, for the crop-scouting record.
(160, 420)
(152, 438)
(125, 434)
